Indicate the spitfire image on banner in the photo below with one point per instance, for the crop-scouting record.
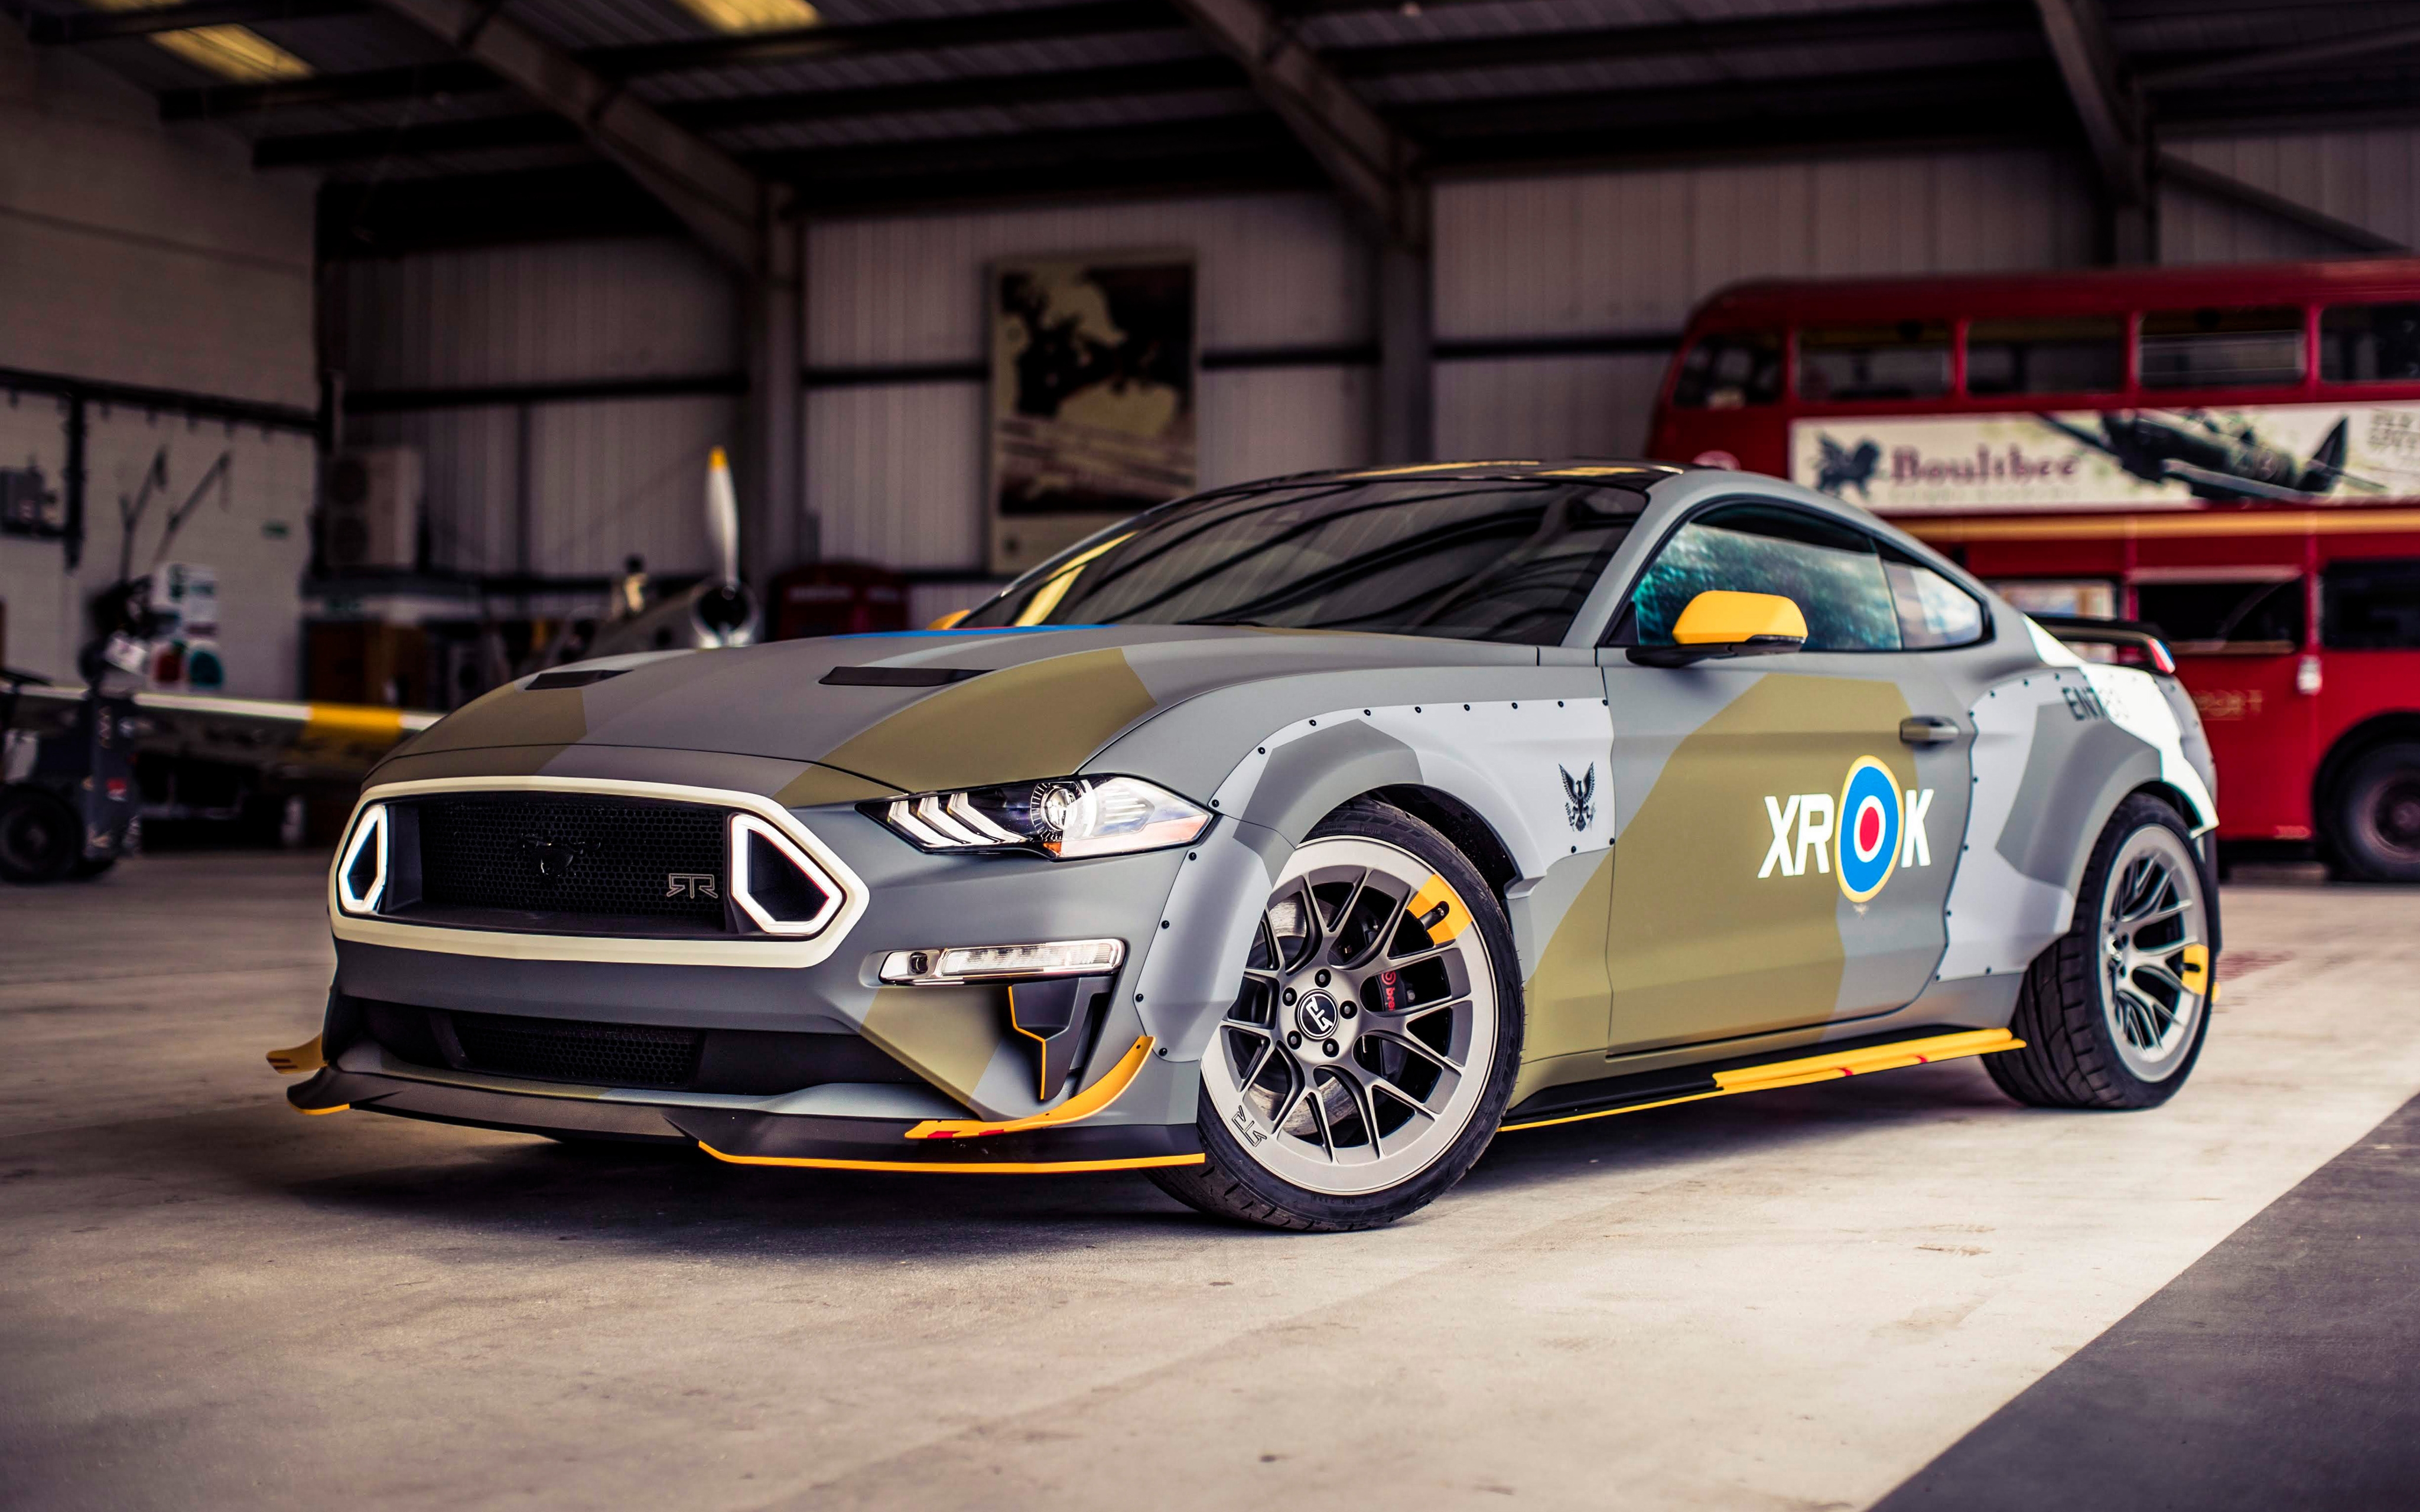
(1092, 397)
(2295, 453)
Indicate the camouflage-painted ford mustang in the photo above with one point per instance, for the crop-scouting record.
(1288, 843)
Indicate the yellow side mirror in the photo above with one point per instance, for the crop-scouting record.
(950, 620)
(1719, 622)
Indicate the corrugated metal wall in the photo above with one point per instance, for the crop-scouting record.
(894, 471)
(600, 480)
(2370, 178)
(1633, 252)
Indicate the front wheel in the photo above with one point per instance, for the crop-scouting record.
(2113, 1011)
(1370, 1056)
(41, 839)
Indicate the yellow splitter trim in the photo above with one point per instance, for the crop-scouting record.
(959, 1167)
(1818, 1068)
(1083, 1104)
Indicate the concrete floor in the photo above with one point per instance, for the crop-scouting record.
(1792, 1300)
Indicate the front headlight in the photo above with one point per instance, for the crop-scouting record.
(1062, 817)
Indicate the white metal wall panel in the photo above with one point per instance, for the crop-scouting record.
(1634, 251)
(1545, 407)
(136, 256)
(2368, 177)
(1274, 270)
(894, 473)
(471, 471)
(1260, 423)
(612, 480)
(545, 313)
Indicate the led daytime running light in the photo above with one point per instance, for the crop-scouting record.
(369, 838)
(1064, 818)
(991, 963)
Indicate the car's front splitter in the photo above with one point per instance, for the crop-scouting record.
(748, 1137)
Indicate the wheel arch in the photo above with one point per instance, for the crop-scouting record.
(1465, 828)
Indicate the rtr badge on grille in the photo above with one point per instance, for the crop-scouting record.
(689, 885)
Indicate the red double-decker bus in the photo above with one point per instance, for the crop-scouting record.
(2231, 454)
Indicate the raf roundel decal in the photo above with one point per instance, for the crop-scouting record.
(1867, 842)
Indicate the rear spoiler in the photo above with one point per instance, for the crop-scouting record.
(2078, 629)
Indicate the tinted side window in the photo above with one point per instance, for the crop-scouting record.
(2212, 348)
(2244, 618)
(2370, 606)
(2369, 342)
(2076, 354)
(1933, 610)
(1904, 360)
(1830, 571)
(1729, 370)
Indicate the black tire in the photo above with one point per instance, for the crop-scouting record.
(1232, 1185)
(2070, 1057)
(41, 839)
(2373, 826)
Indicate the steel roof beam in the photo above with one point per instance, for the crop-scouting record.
(2113, 119)
(717, 198)
(1094, 18)
(2277, 60)
(2186, 174)
(77, 28)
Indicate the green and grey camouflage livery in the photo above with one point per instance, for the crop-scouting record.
(1699, 863)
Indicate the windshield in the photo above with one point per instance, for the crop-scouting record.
(1507, 561)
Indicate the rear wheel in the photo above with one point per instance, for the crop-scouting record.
(2375, 821)
(1370, 1054)
(2114, 1013)
(39, 838)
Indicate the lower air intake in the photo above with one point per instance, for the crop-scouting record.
(604, 1054)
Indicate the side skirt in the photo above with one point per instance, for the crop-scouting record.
(1663, 1088)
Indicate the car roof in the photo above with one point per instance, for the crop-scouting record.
(1611, 471)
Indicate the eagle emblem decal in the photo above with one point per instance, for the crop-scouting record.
(1579, 797)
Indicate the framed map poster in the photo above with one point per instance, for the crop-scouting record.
(1093, 383)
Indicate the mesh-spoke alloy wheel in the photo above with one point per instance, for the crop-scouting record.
(2152, 917)
(1345, 1066)
(2113, 1013)
(1370, 1053)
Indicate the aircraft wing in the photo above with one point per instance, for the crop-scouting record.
(2186, 472)
(297, 740)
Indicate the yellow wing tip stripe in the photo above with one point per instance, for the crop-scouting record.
(317, 1112)
(1083, 1104)
(1047, 1167)
(302, 1057)
(1838, 1065)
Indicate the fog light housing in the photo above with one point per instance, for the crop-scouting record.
(951, 964)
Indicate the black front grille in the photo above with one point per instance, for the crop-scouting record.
(605, 1055)
(572, 854)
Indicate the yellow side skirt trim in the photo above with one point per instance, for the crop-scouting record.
(317, 1111)
(1044, 1168)
(1083, 1104)
(1817, 1068)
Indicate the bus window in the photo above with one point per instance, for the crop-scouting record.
(2211, 349)
(1729, 370)
(2093, 598)
(2081, 354)
(2232, 618)
(1909, 360)
(2369, 342)
(2370, 606)
(1829, 570)
(1933, 610)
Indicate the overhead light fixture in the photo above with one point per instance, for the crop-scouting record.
(233, 52)
(753, 15)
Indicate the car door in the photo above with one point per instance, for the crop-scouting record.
(1787, 857)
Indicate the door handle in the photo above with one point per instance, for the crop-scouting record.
(1928, 730)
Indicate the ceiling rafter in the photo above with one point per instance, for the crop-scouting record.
(83, 27)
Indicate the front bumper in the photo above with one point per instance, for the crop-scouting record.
(755, 1135)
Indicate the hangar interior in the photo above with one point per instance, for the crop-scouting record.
(529, 265)
(353, 230)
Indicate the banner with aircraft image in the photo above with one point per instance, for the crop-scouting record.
(2130, 458)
